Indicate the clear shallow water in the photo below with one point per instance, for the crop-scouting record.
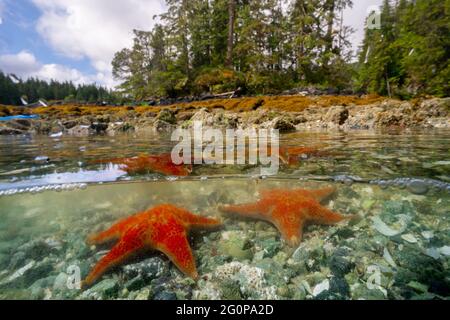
(29, 161)
(397, 249)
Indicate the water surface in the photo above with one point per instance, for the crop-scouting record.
(54, 194)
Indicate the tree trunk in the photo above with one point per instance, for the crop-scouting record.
(231, 21)
(330, 6)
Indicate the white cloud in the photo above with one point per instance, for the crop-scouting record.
(21, 64)
(2, 10)
(94, 29)
(25, 65)
(356, 18)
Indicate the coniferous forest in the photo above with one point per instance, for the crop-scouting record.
(267, 47)
(13, 89)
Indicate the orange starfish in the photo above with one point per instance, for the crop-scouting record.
(290, 211)
(163, 228)
(144, 163)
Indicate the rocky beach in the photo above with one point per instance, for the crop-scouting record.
(285, 113)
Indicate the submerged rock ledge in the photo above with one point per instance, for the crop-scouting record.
(286, 113)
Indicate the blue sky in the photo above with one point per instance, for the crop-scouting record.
(76, 39)
(18, 32)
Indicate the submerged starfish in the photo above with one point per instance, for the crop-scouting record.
(290, 211)
(163, 228)
(156, 163)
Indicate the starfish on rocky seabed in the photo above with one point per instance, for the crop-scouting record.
(155, 163)
(164, 228)
(290, 211)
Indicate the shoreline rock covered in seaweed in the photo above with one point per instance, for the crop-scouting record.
(286, 113)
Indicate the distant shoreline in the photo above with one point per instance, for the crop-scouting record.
(286, 113)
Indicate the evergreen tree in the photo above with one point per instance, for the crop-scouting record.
(410, 54)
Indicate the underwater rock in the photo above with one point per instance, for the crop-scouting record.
(60, 282)
(335, 288)
(321, 287)
(269, 247)
(4, 260)
(311, 253)
(165, 295)
(274, 273)
(416, 266)
(148, 269)
(236, 245)
(360, 291)
(409, 238)
(28, 274)
(18, 260)
(339, 263)
(135, 284)
(143, 294)
(36, 249)
(398, 208)
(418, 187)
(339, 289)
(231, 291)
(40, 288)
(106, 289)
(387, 231)
(250, 281)
(445, 251)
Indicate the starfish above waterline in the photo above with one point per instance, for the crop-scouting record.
(164, 228)
(290, 211)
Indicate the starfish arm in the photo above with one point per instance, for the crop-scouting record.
(321, 215)
(177, 248)
(189, 219)
(322, 194)
(194, 221)
(251, 210)
(112, 233)
(292, 234)
(129, 244)
(290, 226)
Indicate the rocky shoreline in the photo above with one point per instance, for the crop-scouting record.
(283, 113)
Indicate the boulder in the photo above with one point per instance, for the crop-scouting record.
(167, 116)
(99, 127)
(81, 131)
(162, 126)
(337, 115)
(283, 124)
(6, 131)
